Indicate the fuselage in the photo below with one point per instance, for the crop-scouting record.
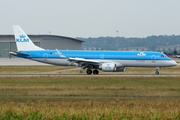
(121, 58)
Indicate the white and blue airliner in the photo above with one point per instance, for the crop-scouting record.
(107, 61)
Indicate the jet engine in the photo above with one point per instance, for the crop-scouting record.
(108, 67)
(111, 67)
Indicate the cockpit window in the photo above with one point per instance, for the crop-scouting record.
(164, 56)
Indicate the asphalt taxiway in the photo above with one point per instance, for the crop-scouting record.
(84, 75)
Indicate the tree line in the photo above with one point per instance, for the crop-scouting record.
(151, 43)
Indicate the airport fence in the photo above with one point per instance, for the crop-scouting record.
(86, 95)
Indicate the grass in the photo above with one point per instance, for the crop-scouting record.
(90, 82)
(30, 69)
(89, 88)
(89, 97)
(90, 110)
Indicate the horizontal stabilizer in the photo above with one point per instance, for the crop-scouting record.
(15, 53)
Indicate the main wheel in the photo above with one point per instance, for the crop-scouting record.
(95, 72)
(157, 73)
(89, 72)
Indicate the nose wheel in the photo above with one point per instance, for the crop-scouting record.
(157, 72)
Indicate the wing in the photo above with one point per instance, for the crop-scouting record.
(80, 61)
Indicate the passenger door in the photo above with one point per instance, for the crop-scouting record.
(153, 58)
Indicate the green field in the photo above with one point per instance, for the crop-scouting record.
(89, 88)
(30, 69)
(90, 110)
(91, 97)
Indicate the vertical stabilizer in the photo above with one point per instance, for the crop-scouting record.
(23, 42)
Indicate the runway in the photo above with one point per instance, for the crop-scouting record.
(84, 75)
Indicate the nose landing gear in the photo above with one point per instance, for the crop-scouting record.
(157, 72)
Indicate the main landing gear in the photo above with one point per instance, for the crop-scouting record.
(157, 72)
(89, 72)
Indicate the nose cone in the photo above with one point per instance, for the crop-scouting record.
(173, 63)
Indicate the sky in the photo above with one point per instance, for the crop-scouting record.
(92, 18)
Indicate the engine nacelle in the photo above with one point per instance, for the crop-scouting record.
(108, 67)
(111, 67)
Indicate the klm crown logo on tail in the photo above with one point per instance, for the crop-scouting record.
(22, 39)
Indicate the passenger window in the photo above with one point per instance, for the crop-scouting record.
(94, 55)
(86, 55)
(65, 54)
(90, 55)
(136, 56)
(117, 55)
(78, 55)
(133, 56)
(121, 55)
(106, 55)
(50, 54)
(69, 55)
(162, 56)
(72, 55)
(82, 55)
(129, 55)
(110, 55)
(125, 55)
(114, 56)
(98, 55)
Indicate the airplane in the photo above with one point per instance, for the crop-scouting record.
(107, 61)
(176, 56)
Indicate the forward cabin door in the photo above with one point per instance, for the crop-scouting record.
(153, 58)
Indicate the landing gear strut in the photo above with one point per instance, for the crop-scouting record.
(157, 72)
